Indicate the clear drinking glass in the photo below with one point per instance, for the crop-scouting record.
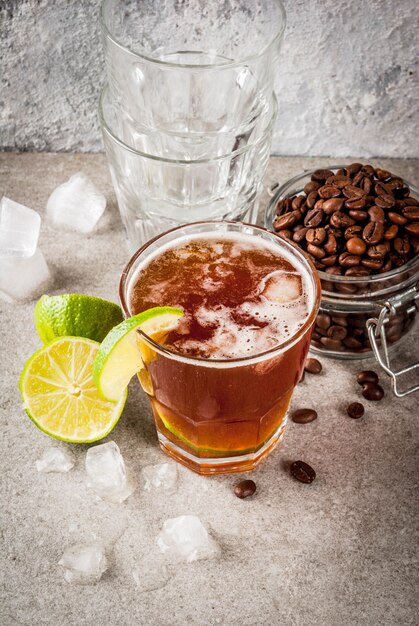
(157, 191)
(190, 68)
(221, 415)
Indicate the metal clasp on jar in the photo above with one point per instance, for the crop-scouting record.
(377, 331)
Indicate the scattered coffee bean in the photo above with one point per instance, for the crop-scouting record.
(303, 472)
(245, 488)
(313, 366)
(372, 392)
(367, 376)
(355, 410)
(304, 416)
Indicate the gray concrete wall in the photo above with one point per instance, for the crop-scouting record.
(347, 84)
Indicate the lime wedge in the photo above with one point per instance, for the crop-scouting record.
(75, 315)
(120, 356)
(59, 394)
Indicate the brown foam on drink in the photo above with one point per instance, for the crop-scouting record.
(240, 296)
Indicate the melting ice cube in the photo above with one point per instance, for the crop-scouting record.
(76, 204)
(159, 477)
(106, 473)
(84, 563)
(22, 278)
(55, 460)
(19, 229)
(186, 538)
(282, 287)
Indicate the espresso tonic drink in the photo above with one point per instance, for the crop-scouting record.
(220, 385)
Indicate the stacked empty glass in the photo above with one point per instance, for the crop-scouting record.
(189, 109)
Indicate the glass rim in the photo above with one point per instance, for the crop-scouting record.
(190, 66)
(337, 278)
(246, 360)
(108, 131)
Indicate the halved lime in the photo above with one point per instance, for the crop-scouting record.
(75, 315)
(59, 394)
(120, 356)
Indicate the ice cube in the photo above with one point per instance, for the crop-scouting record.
(186, 538)
(106, 472)
(159, 477)
(84, 563)
(76, 204)
(22, 278)
(19, 229)
(55, 460)
(282, 287)
(151, 573)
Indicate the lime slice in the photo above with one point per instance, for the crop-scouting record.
(75, 315)
(59, 394)
(121, 356)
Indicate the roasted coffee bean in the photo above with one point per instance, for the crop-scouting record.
(355, 410)
(287, 220)
(381, 189)
(328, 191)
(373, 232)
(385, 202)
(341, 220)
(372, 264)
(337, 332)
(396, 218)
(353, 231)
(379, 251)
(357, 270)
(312, 199)
(352, 343)
(376, 214)
(313, 366)
(303, 472)
(328, 261)
(366, 185)
(323, 320)
(311, 186)
(313, 218)
(316, 236)
(413, 228)
(332, 344)
(410, 201)
(297, 202)
(372, 392)
(355, 245)
(299, 235)
(287, 234)
(333, 204)
(411, 212)
(245, 488)
(402, 245)
(386, 267)
(331, 244)
(315, 251)
(346, 259)
(415, 244)
(382, 174)
(359, 216)
(351, 191)
(353, 168)
(303, 416)
(391, 232)
(355, 203)
(321, 175)
(358, 178)
(367, 376)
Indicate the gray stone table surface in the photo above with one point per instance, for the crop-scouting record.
(340, 551)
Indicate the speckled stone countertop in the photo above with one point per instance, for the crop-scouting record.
(340, 551)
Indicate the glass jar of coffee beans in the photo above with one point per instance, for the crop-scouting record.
(360, 227)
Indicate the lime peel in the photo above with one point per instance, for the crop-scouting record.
(119, 357)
